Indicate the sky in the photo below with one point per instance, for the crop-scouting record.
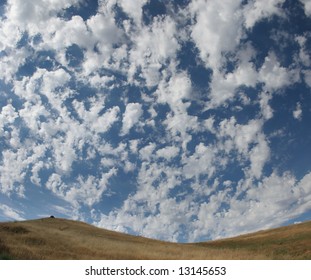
(180, 120)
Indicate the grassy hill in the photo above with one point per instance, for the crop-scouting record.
(65, 239)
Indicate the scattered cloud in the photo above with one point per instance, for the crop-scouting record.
(170, 110)
(11, 213)
(256, 10)
(131, 117)
(221, 24)
(307, 6)
(298, 112)
(274, 76)
(168, 152)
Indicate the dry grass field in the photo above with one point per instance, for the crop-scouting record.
(65, 239)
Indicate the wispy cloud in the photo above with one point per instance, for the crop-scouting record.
(11, 213)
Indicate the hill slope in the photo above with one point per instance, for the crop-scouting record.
(65, 239)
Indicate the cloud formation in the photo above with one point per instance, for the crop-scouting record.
(131, 116)
(179, 121)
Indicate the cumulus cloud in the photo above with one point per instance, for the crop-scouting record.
(201, 162)
(147, 151)
(257, 10)
(134, 10)
(258, 157)
(131, 117)
(262, 201)
(297, 113)
(12, 178)
(168, 152)
(147, 56)
(87, 191)
(220, 22)
(93, 118)
(8, 115)
(274, 76)
(176, 92)
(307, 6)
(242, 136)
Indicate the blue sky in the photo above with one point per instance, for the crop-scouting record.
(178, 120)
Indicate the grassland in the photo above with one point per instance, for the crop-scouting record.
(65, 239)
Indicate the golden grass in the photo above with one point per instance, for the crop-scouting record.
(64, 239)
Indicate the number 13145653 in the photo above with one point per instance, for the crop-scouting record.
(202, 271)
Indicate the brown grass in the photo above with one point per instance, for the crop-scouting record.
(64, 239)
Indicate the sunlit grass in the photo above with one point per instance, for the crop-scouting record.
(65, 239)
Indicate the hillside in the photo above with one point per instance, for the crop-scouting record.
(65, 239)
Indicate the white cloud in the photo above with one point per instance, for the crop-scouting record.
(129, 166)
(221, 23)
(35, 178)
(257, 10)
(307, 6)
(303, 52)
(90, 190)
(266, 109)
(297, 114)
(55, 184)
(104, 29)
(105, 121)
(133, 9)
(223, 86)
(8, 115)
(242, 135)
(53, 80)
(225, 39)
(274, 76)
(146, 152)
(168, 152)
(31, 114)
(34, 18)
(98, 81)
(201, 162)
(47, 83)
(87, 191)
(62, 135)
(53, 125)
(61, 132)
(148, 55)
(28, 11)
(248, 140)
(259, 155)
(150, 212)
(11, 179)
(307, 77)
(99, 31)
(134, 145)
(93, 118)
(131, 116)
(64, 153)
(11, 62)
(10, 34)
(270, 203)
(175, 91)
(11, 213)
